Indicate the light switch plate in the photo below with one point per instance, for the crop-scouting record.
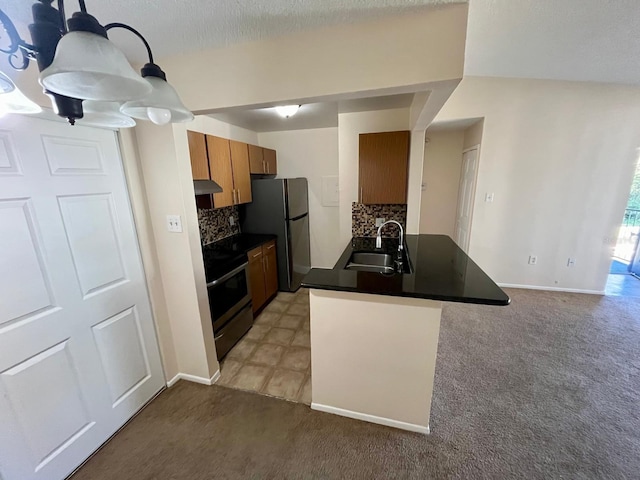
(232, 221)
(174, 223)
(379, 221)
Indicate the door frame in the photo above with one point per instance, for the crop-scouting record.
(473, 192)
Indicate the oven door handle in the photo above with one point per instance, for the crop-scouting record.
(227, 276)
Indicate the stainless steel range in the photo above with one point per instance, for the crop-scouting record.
(229, 296)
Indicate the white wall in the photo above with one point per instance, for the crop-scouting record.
(559, 157)
(311, 154)
(350, 126)
(441, 178)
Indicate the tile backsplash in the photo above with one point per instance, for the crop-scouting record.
(214, 224)
(363, 217)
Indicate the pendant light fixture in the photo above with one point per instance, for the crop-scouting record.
(6, 85)
(162, 105)
(88, 66)
(15, 101)
(79, 64)
(105, 114)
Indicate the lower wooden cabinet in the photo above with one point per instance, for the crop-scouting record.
(263, 273)
(270, 268)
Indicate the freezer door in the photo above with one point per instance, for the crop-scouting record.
(297, 197)
(299, 251)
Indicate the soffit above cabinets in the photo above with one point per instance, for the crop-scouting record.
(311, 115)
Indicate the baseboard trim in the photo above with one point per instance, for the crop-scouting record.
(551, 289)
(194, 378)
(371, 418)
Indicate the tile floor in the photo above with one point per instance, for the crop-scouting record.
(274, 357)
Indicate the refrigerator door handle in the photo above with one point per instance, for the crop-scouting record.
(298, 217)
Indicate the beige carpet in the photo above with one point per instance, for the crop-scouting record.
(548, 387)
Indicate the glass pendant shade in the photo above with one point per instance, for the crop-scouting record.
(14, 101)
(89, 66)
(6, 84)
(161, 106)
(105, 114)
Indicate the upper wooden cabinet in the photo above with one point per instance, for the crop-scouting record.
(198, 154)
(262, 160)
(226, 162)
(270, 161)
(221, 170)
(241, 171)
(256, 159)
(383, 167)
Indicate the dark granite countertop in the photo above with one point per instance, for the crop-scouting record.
(224, 255)
(440, 271)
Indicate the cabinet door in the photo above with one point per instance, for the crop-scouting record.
(270, 268)
(241, 173)
(221, 172)
(256, 278)
(270, 161)
(198, 154)
(256, 159)
(384, 167)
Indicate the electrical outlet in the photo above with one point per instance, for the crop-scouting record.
(174, 223)
(489, 197)
(571, 262)
(232, 221)
(533, 260)
(379, 221)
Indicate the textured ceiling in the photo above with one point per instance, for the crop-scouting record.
(311, 115)
(583, 40)
(175, 26)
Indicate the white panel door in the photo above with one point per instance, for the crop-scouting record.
(78, 351)
(466, 197)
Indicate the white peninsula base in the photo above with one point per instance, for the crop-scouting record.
(373, 357)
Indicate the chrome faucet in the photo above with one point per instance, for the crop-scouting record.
(379, 238)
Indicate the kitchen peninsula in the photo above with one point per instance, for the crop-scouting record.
(374, 336)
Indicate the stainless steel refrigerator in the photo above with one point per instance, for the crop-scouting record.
(281, 206)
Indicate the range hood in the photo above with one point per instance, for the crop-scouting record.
(206, 187)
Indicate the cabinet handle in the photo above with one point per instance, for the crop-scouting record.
(257, 254)
(238, 193)
(270, 247)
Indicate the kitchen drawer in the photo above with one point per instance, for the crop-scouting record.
(268, 247)
(255, 255)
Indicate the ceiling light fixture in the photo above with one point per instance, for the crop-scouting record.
(105, 114)
(15, 101)
(287, 111)
(78, 63)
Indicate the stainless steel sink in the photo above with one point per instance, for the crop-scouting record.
(371, 262)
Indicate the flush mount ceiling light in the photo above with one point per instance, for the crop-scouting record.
(14, 101)
(78, 63)
(286, 111)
